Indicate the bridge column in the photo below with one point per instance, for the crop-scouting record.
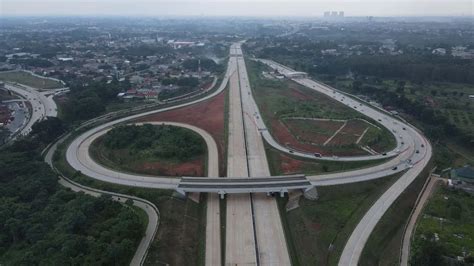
(222, 194)
(282, 192)
(311, 193)
(181, 193)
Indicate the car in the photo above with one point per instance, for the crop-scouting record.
(384, 154)
(422, 145)
(292, 151)
(380, 120)
(403, 142)
(317, 155)
(395, 168)
(417, 151)
(404, 129)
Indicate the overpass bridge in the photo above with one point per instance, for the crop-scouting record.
(230, 185)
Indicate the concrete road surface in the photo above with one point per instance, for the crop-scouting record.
(354, 246)
(240, 241)
(247, 158)
(269, 232)
(41, 104)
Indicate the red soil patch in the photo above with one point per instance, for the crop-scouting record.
(355, 127)
(289, 165)
(191, 168)
(284, 137)
(208, 115)
(298, 94)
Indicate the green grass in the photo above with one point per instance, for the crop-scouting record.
(316, 225)
(282, 99)
(379, 139)
(137, 160)
(181, 221)
(30, 80)
(277, 99)
(456, 231)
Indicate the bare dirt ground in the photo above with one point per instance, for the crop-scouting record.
(191, 168)
(208, 115)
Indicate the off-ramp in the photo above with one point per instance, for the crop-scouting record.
(412, 153)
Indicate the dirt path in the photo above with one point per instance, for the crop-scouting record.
(420, 204)
(335, 133)
(362, 135)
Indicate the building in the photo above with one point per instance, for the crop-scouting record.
(333, 14)
(463, 175)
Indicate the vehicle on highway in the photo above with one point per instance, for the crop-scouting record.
(384, 154)
(417, 151)
(317, 155)
(395, 168)
(292, 151)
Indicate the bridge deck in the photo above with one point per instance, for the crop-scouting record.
(243, 185)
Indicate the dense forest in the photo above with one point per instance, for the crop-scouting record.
(88, 101)
(42, 223)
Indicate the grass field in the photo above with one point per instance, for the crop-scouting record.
(318, 230)
(281, 101)
(450, 215)
(30, 80)
(182, 222)
(146, 161)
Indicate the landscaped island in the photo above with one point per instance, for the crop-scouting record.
(155, 150)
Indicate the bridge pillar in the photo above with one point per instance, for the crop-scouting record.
(221, 194)
(311, 193)
(282, 193)
(181, 193)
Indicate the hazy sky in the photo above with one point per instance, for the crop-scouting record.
(237, 7)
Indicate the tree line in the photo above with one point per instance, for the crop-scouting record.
(43, 223)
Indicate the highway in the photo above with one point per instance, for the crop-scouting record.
(241, 246)
(256, 214)
(269, 231)
(42, 104)
(394, 125)
(412, 155)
